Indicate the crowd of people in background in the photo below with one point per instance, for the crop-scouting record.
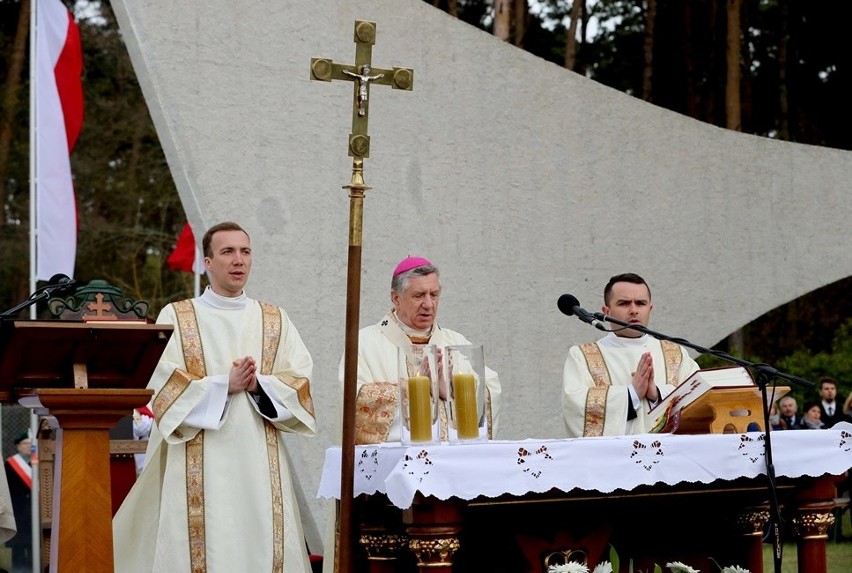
(823, 412)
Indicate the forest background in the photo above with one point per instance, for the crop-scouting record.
(773, 68)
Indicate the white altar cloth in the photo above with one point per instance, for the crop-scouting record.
(602, 464)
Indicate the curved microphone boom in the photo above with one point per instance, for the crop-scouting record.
(59, 284)
(570, 306)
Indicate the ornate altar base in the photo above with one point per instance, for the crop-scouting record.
(506, 506)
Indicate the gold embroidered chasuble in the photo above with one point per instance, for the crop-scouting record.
(220, 498)
(376, 404)
(596, 378)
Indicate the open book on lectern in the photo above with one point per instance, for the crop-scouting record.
(696, 386)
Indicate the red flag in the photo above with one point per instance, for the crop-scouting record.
(183, 257)
(59, 118)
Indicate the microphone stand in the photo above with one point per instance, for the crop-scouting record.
(34, 298)
(764, 374)
(43, 293)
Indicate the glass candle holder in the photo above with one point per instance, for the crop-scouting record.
(418, 394)
(465, 366)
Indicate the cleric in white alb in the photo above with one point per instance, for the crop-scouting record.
(609, 386)
(216, 493)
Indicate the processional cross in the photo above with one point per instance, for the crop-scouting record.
(362, 74)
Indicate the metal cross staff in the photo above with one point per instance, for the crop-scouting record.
(362, 74)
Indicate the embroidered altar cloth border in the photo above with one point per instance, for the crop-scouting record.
(602, 464)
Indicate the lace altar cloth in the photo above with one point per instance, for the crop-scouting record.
(602, 464)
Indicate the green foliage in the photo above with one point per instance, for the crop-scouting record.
(613, 559)
(836, 363)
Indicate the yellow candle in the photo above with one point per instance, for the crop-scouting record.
(420, 408)
(464, 395)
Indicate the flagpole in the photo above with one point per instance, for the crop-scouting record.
(33, 157)
(196, 271)
(35, 499)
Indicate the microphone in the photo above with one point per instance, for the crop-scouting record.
(570, 306)
(60, 284)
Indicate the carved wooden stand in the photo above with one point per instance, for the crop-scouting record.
(82, 518)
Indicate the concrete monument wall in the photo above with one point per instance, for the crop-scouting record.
(520, 180)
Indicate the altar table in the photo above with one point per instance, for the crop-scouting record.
(436, 491)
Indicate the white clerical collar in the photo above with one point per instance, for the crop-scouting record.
(613, 341)
(425, 333)
(212, 300)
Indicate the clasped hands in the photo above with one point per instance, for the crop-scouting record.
(643, 379)
(243, 376)
(443, 385)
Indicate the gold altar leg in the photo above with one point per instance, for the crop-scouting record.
(382, 535)
(812, 521)
(750, 524)
(433, 530)
(383, 550)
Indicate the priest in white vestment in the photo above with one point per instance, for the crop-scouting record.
(415, 293)
(216, 493)
(610, 385)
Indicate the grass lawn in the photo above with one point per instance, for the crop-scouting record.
(838, 555)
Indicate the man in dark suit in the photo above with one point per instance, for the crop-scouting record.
(20, 478)
(789, 412)
(831, 408)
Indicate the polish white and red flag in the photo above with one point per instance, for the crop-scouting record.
(185, 256)
(58, 120)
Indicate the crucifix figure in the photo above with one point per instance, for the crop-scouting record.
(363, 74)
(364, 79)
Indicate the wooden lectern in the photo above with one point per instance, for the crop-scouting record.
(725, 411)
(87, 375)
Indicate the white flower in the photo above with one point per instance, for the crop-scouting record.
(678, 567)
(570, 567)
(603, 567)
(734, 569)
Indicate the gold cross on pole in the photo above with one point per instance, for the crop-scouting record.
(362, 74)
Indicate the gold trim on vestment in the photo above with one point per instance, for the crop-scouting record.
(672, 357)
(596, 364)
(596, 398)
(271, 318)
(195, 504)
(193, 354)
(277, 499)
(443, 421)
(595, 411)
(302, 386)
(376, 407)
(595, 416)
(177, 383)
(271, 336)
(190, 338)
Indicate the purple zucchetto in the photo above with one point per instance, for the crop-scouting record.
(410, 263)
